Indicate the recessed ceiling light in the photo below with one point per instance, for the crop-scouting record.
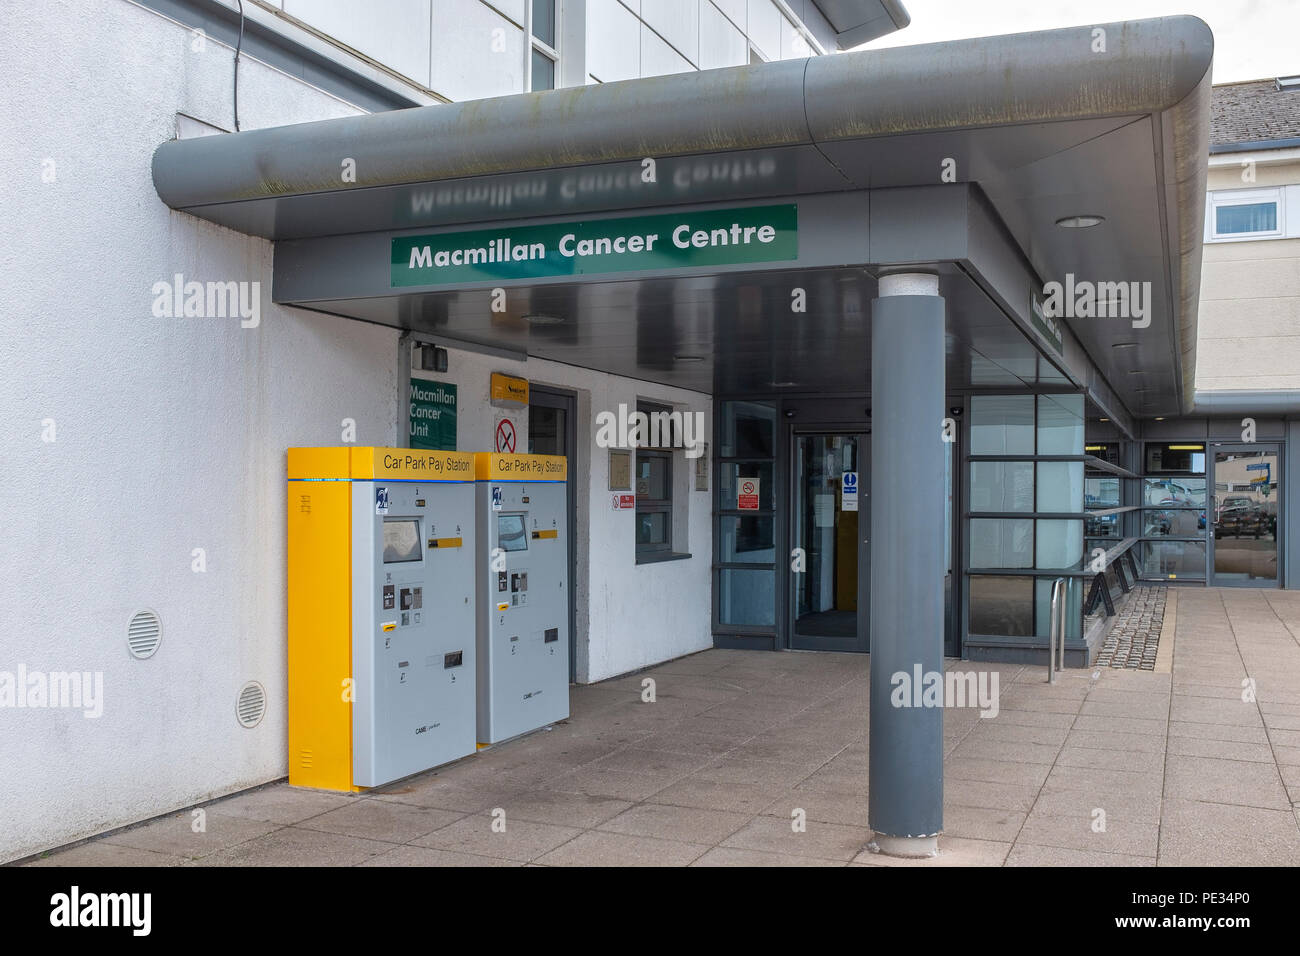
(537, 318)
(1103, 419)
(1080, 222)
(1160, 418)
(1125, 345)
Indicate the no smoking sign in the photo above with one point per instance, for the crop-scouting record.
(505, 437)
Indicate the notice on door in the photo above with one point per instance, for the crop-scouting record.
(747, 495)
(849, 491)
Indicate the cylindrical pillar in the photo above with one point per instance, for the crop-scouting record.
(905, 802)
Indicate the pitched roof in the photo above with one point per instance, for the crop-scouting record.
(1253, 112)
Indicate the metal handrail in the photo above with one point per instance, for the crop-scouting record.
(1056, 632)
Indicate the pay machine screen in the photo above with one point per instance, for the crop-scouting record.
(511, 534)
(401, 540)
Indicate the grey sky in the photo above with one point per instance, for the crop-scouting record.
(1253, 39)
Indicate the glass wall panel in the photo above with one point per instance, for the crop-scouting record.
(1002, 425)
(1173, 523)
(748, 430)
(1059, 543)
(1001, 543)
(1074, 590)
(1173, 492)
(1101, 492)
(1060, 486)
(1180, 560)
(1002, 486)
(747, 539)
(1060, 425)
(729, 475)
(1001, 605)
(747, 598)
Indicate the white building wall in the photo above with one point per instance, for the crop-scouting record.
(169, 435)
(629, 615)
(1248, 325)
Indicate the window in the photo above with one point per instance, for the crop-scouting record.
(745, 574)
(654, 488)
(545, 51)
(1245, 214)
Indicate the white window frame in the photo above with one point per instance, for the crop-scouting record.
(552, 53)
(1244, 197)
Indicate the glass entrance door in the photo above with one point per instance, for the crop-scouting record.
(1243, 515)
(829, 530)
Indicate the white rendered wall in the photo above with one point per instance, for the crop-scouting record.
(629, 615)
(170, 436)
(170, 433)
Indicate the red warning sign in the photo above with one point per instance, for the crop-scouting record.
(747, 495)
(505, 438)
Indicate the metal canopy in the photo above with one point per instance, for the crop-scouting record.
(858, 21)
(1046, 124)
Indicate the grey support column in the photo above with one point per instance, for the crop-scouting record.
(907, 563)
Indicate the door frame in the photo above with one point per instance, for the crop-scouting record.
(1212, 499)
(862, 642)
(548, 397)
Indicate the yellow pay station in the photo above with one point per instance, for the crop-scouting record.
(523, 594)
(381, 613)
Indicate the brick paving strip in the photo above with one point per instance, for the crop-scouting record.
(1133, 640)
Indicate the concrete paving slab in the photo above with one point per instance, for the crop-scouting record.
(291, 846)
(688, 824)
(485, 834)
(1214, 834)
(175, 834)
(600, 848)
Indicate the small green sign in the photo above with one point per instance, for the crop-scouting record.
(433, 415)
(1046, 326)
(677, 241)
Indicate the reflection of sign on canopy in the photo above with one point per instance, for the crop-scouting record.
(747, 495)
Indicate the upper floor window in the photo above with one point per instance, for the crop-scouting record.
(1245, 214)
(545, 54)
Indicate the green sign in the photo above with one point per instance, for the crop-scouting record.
(433, 415)
(678, 241)
(1047, 327)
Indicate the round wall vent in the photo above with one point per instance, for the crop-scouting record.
(251, 706)
(144, 634)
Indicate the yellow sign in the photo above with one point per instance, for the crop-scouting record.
(495, 466)
(363, 464)
(508, 390)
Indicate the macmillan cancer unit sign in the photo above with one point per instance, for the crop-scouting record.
(676, 241)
